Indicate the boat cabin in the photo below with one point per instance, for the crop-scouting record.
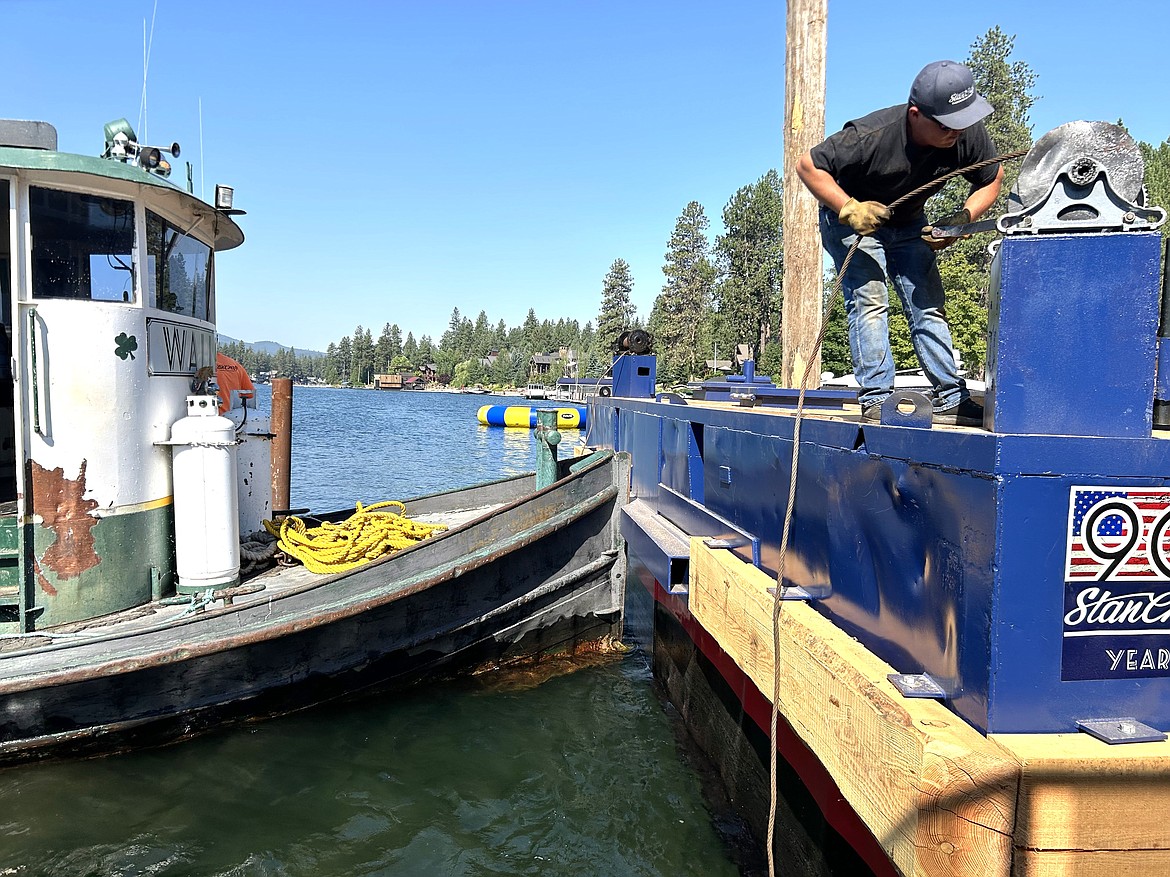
(107, 298)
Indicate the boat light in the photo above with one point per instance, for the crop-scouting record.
(223, 197)
(121, 141)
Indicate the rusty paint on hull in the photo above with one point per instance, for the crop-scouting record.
(62, 507)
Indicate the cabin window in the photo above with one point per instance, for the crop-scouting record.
(178, 270)
(82, 245)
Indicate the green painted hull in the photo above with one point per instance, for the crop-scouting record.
(136, 554)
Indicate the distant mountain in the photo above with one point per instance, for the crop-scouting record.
(269, 347)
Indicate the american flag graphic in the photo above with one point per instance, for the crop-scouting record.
(1118, 534)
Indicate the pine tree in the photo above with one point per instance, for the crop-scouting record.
(1157, 161)
(344, 359)
(361, 367)
(483, 337)
(617, 310)
(1007, 86)
(383, 351)
(426, 349)
(680, 309)
(450, 339)
(751, 256)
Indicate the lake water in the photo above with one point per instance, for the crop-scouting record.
(585, 773)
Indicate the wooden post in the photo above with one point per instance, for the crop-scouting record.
(281, 444)
(804, 127)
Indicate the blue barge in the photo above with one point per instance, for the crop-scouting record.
(998, 594)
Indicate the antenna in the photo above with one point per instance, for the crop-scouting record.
(201, 165)
(146, 47)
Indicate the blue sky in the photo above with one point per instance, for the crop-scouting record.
(400, 159)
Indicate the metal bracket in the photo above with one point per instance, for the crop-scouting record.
(907, 408)
(745, 400)
(726, 543)
(791, 592)
(795, 592)
(1082, 198)
(917, 685)
(1121, 730)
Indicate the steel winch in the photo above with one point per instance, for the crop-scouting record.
(1075, 288)
(1079, 177)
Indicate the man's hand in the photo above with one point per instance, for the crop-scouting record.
(864, 217)
(963, 217)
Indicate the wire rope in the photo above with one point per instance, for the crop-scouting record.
(781, 588)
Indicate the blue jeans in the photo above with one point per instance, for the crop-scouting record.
(902, 255)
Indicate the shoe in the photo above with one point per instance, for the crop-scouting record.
(872, 413)
(966, 413)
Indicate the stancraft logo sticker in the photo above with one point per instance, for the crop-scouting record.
(1117, 584)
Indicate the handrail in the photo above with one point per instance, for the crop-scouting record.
(36, 400)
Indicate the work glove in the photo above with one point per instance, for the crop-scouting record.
(963, 217)
(864, 217)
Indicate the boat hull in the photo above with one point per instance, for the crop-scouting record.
(542, 573)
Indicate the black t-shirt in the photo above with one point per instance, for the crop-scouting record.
(873, 159)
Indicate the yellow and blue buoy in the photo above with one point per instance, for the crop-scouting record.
(524, 416)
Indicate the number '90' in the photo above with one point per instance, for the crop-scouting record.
(1116, 553)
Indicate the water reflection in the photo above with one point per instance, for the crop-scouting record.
(351, 445)
(516, 448)
(576, 776)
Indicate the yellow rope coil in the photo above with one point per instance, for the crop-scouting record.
(366, 535)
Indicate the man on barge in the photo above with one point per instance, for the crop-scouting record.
(866, 165)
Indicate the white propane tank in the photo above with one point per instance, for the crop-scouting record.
(207, 526)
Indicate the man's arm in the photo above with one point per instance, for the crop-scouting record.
(864, 217)
(821, 183)
(980, 200)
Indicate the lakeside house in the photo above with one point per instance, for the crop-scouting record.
(397, 382)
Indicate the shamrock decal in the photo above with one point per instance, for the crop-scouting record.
(127, 344)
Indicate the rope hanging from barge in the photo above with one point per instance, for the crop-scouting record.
(369, 533)
(781, 587)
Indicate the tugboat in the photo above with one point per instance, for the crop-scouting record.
(124, 617)
(107, 274)
(967, 640)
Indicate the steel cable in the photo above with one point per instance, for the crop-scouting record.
(781, 588)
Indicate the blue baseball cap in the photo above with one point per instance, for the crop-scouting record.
(945, 91)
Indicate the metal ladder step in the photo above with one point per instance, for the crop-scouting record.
(9, 558)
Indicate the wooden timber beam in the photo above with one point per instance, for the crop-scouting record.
(1088, 809)
(939, 796)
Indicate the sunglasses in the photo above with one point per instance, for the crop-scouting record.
(941, 126)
